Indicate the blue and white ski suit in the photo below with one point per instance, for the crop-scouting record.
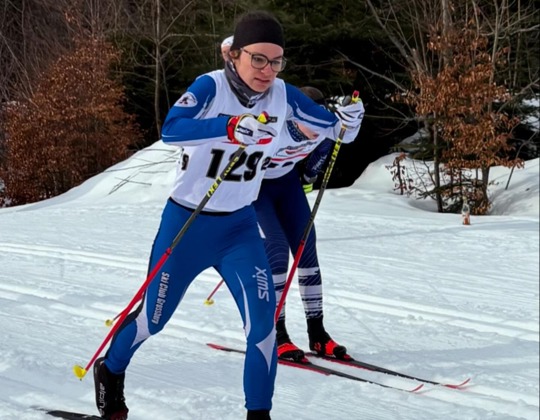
(225, 235)
(283, 213)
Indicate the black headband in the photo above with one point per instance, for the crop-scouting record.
(255, 29)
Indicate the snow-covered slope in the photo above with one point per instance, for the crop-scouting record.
(405, 288)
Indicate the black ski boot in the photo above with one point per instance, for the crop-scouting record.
(258, 415)
(110, 399)
(321, 343)
(285, 347)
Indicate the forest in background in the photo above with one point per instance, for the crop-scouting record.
(84, 83)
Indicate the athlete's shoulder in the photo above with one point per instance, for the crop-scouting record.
(201, 92)
(304, 109)
(215, 75)
(204, 85)
(293, 93)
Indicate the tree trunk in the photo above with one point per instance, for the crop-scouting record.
(485, 183)
(157, 70)
(436, 164)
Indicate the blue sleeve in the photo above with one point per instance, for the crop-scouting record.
(184, 123)
(315, 161)
(307, 111)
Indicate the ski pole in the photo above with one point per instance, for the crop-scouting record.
(78, 370)
(209, 301)
(355, 98)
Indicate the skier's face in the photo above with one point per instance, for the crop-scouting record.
(259, 64)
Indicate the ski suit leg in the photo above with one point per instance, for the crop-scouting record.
(246, 272)
(275, 242)
(292, 210)
(294, 220)
(191, 256)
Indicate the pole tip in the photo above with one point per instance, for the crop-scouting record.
(79, 371)
(209, 302)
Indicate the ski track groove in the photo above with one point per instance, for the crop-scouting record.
(486, 323)
(116, 261)
(470, 397)
(473, 397)
(179, 330)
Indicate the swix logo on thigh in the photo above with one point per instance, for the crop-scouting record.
(262, 283)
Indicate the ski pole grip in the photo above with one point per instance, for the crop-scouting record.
(263, 117)
(351, 99)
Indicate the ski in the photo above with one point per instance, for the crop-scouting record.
(380, 369)
(318, 369)
(69, 415)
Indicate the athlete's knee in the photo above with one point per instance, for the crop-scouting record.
(261, 325)
(154, 324)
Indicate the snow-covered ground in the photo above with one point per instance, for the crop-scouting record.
(405, 288)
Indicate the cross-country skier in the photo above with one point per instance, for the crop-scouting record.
(283, 213)
(217, 114)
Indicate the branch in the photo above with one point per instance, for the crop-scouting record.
(374, 73)
(391, 36)
(520, 94)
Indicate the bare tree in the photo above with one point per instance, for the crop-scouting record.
(32, 34)
(158, 36)
(416, 27)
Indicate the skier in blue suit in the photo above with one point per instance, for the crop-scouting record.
(283, 213)
(218, 113)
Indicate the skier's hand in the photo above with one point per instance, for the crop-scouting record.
(351, 117)
(307, 183)
(248, 129)
(307, 188)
